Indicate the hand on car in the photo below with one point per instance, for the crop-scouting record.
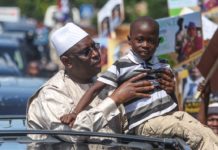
(133, 88)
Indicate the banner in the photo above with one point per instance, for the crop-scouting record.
(104, 44)
(209, 4)
(208, 26)
(175, 6)
(110, 17)
(181, 35)
(9, 14)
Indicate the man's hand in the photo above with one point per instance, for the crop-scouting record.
(133, 88)
(167, 81)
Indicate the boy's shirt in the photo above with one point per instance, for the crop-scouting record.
(139, 110)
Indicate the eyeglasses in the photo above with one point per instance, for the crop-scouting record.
(86, 52)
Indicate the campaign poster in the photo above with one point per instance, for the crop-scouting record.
(103, 51)
(189, 89)
(209, 4)
(181, 35)
(104, 29)
(175, 6)
(208, 27)
(110, 17)
(117, 13)
(117, 49)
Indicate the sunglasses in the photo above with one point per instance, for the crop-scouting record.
(86, 52)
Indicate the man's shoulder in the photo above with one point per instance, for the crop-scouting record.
(57, 81)
(55, 84)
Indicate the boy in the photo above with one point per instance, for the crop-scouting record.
(143, 38)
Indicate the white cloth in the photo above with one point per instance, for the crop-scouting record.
(59, 96)
(66, 37)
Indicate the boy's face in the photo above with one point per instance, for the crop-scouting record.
(144, 39)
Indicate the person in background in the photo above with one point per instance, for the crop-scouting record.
(105, 27)
(208, 113)
(116, 17)
(193, 41)
(212, 117)
(190, 84)
(180, 37)
(33, 69)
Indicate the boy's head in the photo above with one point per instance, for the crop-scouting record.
(144, 37)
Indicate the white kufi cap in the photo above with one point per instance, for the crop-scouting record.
(66, 37)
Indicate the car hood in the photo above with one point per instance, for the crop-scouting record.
(21, 81)
(14, 93)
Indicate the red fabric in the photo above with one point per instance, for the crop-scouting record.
(208, 59)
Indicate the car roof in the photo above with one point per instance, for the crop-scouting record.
(8, 70)
(16, 35)
(21, 26)
(8, 42)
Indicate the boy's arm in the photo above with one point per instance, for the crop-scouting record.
(89, 95)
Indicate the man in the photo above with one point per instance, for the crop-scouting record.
(193, 41)
(212, 118)
(59, 96)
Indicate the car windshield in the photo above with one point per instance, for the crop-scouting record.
(11, 57)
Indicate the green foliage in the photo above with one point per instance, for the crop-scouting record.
(156, 9)
(30, 8)
(36, 8)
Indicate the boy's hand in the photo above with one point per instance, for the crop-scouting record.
(68, 119)
(167, 81)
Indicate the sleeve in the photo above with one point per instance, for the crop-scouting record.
(47, 113)
(90, 120)
(111, 76)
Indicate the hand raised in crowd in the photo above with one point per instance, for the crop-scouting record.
(204, 89)
(133, 88)
(166, 80)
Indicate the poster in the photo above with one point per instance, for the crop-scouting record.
(209, 4)
(103, 51)
(181, 35)
(208, 26)
(175, 6)
(190, 86)
(110, 17)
